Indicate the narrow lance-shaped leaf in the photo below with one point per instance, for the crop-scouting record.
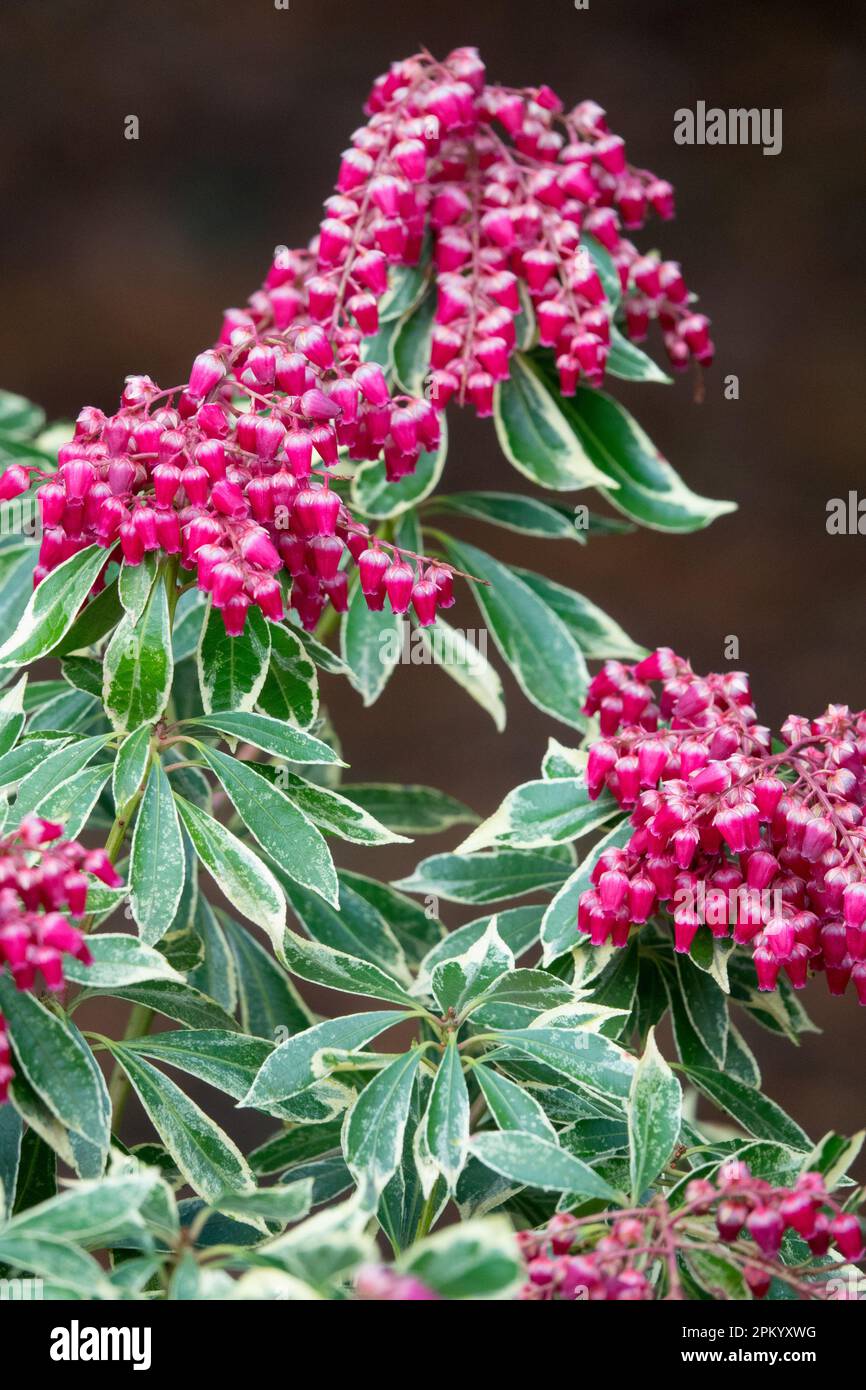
(654, 1117)
(139, 664)
(375, 1126)
(157, 866)
(52, 608)
(281, 827)
(246, 881)
(209, 1160)
(462, 656)
(546, 661)
(290, 1068)
(534, 434)
(371, 644)
(536, 1162)
(232, 670)
(60, 1067)
(447, 1118)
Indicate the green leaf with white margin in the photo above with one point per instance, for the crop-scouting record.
(134, 584)
(456, 982)
(279, 826)
(72, 802)
(485, 878)
(466, 663)
(547, 663)
(512, 1106)
(353, 926)
(639, 480)
(267, 999)
(189, 619)
(181, 1002)
(409, 809)
(57, 1062)
(542, 813)
(654, 1117)
(475, 1260)
(406, 286)
(535, 1162)
(584, 1057)
(630, 363)
(119, 960)
(228, 1061)
(157, 866)
(295, 1065)
(705, 1004)
(209, 1160)
(595, 632)
(11, 1130)
(518, 927)
(138, 667)
(244, 879)
(559, 928)
(371, 645)
(291, 689)
(338, 970)
(374, 496)
(62, 1265)
(270, 735)
(339, 815)
(282, 1204)
(327, 1247)
(833, 1155)
(232, 670)
(83, 673)
(757, 1114)
(17, 562)
(52, 769)
(535, 436)
(374, 1127)
(447, 1117)
(606, 267)
(53, 607)
(410, 348)
(89, 1211)
(415, 927)
(528, 516)
(12, 714)
(130, 765)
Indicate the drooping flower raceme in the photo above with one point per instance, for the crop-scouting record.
(767, 846)
(738, 1218)
(230, 472)
(43, 883)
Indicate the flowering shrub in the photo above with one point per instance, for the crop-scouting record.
(198, 549)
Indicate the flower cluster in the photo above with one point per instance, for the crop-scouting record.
(769, 846)
(231, 471)
(505, 184)
(232, 493)
(381, 1284)
(620, 1256)
(42, 885)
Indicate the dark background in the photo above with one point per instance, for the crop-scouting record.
(118, 256)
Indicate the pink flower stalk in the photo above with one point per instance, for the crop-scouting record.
(769, 847)
(619, 1257)
(42, 885)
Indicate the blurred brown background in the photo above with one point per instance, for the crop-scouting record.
(118, 256)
